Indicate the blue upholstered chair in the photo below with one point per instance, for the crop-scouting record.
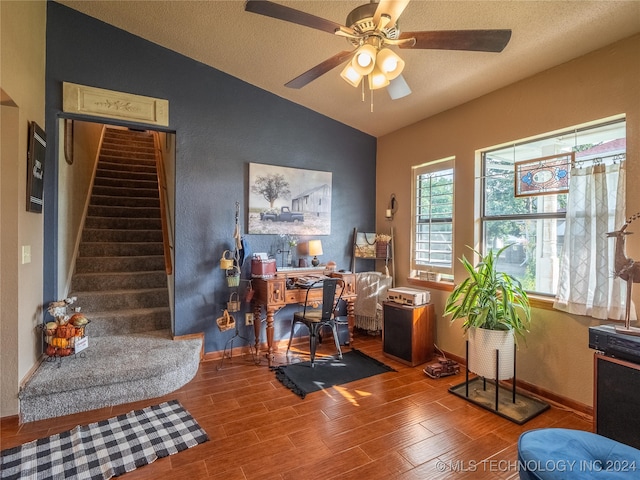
(559, 453)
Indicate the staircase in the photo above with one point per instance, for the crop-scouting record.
(120, 283)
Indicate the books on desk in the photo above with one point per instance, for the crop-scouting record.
(310, 280)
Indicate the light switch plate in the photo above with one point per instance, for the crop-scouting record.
(26, 254)
(248, 318)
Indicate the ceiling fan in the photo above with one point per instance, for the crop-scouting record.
(372, 28)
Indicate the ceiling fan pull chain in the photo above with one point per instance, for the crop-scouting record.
(371, 90)
(362, 83)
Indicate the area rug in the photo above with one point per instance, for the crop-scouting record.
(302, 379)
(107, 448)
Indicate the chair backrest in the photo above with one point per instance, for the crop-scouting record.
(329, 300)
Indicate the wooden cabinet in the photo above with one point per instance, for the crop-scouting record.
(408, 333)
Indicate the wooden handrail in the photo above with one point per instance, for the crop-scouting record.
(162, 187)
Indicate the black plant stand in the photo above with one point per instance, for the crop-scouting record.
(520, 408)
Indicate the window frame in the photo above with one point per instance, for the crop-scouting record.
(484, 218)
(422, 270)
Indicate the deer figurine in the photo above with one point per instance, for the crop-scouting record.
(627, 269)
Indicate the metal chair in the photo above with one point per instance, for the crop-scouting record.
(317, 318)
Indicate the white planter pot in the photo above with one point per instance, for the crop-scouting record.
(482, 352)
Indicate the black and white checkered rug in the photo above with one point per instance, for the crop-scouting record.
(105, 449)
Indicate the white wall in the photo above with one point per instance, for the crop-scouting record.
(22, 69)
(74, 182)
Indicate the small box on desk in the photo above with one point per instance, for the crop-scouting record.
(408, 296)
(263, 267)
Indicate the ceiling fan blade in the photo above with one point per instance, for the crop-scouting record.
(319, 70)
(398, 88)
(392, 8)
(475, 40)
(274, 10)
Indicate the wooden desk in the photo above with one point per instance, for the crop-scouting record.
(273, 294)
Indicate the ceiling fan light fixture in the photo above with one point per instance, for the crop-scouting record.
(351, 75)
(364, 60)
(377, 79)
(390, 63)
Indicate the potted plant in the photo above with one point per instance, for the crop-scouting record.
(495, 309)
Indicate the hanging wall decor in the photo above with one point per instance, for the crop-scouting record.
(35, 168)
(292, 201)
(542, 176)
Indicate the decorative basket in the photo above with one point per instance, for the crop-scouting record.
(61, 341)
(233, 305)
(382, 248)
(233, 277)
(226, 263)
(226, 321)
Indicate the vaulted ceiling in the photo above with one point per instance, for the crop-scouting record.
(268, 52)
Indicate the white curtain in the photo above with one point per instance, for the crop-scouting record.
(595, 206)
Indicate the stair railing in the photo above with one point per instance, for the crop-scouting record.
(164, 207)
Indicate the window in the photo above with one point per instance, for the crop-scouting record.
(432, 249)
(534, 224)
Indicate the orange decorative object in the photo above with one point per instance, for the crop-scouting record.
(59, 342)
(65, 331)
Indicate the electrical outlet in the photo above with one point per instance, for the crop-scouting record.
(248, 318)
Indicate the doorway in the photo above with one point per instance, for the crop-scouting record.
(77, 160)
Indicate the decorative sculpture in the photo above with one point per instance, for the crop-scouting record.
(628, 270)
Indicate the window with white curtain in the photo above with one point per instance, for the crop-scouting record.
(549, 252)
(432, 246)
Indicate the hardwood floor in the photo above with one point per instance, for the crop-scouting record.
(400, 425)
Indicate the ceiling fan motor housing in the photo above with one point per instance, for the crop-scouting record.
(360, 19)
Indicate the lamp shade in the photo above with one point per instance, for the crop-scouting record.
(351, 75)
(390, 63)
(365, 59)
(315, 247)
(377, 79)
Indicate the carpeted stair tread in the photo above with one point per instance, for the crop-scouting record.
(119, 264)
(120, 174)
(124, 201)
(120, 249)
(123, 322)
(118, 160)
(105, 166)
(123, 211)
(121, 182)
(123, 223)
(122, 299)
(111, 370)
(111, 280)
(116, 190)
(121, 235)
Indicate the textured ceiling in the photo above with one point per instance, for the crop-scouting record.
(267, 52)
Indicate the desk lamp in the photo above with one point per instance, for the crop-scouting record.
(315, 249)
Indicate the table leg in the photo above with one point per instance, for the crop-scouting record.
(257, 310)
(270, 329)
(351, 318)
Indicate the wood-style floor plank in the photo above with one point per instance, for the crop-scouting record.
(397, 425)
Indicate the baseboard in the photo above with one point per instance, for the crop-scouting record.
(192, 336)
(32, 370)
(278, 345)
(558, 400)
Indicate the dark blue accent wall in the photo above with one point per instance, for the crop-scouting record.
(221, 124)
